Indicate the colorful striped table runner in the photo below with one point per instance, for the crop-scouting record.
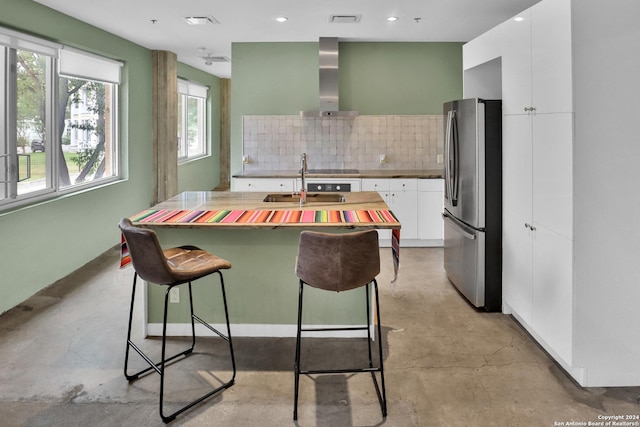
(263, 216)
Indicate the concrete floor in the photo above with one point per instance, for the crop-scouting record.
(446, 365)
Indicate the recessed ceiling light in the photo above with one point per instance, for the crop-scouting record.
(282, 19)
(392, 18)
(518, 19)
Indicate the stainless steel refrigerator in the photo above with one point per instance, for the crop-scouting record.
(473, 200)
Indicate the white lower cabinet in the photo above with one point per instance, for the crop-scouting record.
(552, 296)
(382, 187)
(403, 201)
(430, 208)
(401, 195)
(537, 285)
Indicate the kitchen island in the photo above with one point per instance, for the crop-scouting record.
(260, 239)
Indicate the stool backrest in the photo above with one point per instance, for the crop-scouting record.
(338, 262)
(146, 253)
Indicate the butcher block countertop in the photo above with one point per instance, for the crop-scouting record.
(196, 209)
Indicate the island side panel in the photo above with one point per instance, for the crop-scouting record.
(262, 288)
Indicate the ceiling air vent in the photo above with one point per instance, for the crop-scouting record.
(344, 19)
(201, 20)
(208, 60)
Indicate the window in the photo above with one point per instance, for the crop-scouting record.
(192, 137)
(58, 132)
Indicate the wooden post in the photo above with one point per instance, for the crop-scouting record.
(165, 124)
(225, 132)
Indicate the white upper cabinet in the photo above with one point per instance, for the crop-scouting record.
(516, 64)
(551, 57)
(536, 60)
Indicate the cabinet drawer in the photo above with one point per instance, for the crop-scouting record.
(264, 184)
(374, 184)
(391, 184)
(400, 184)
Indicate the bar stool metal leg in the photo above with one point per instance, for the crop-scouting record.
(383, 398)
(379, 387)
(297, 361)
(160, 366)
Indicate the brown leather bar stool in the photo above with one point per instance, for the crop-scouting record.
(340, 262)
(170, 268)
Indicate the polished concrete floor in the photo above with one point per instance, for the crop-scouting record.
(61, 355)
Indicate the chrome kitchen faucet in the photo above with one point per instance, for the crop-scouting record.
(303, 172)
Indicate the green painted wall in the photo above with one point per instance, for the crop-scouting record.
(399, 78)
(274, 78)
(42, 243)
(375, 78)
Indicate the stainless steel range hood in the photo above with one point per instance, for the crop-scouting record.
(328, 88)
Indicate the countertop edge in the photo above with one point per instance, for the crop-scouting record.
(421, 174)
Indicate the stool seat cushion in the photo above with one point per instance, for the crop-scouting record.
(187, 262)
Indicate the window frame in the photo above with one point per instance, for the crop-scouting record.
(187, 90)
(57, 58)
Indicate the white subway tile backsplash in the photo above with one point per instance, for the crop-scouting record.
(409, 142)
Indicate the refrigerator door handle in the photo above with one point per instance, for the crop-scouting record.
(447, 172)
(451, 156)
(456, 146)
(465, 230)
(448, 151)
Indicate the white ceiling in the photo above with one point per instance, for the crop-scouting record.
(254, 21)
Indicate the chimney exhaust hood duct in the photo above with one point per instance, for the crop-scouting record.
(328, 87)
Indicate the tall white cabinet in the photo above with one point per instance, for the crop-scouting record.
(566, 279)
(537, 157)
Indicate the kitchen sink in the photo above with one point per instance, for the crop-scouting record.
(311, 198)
